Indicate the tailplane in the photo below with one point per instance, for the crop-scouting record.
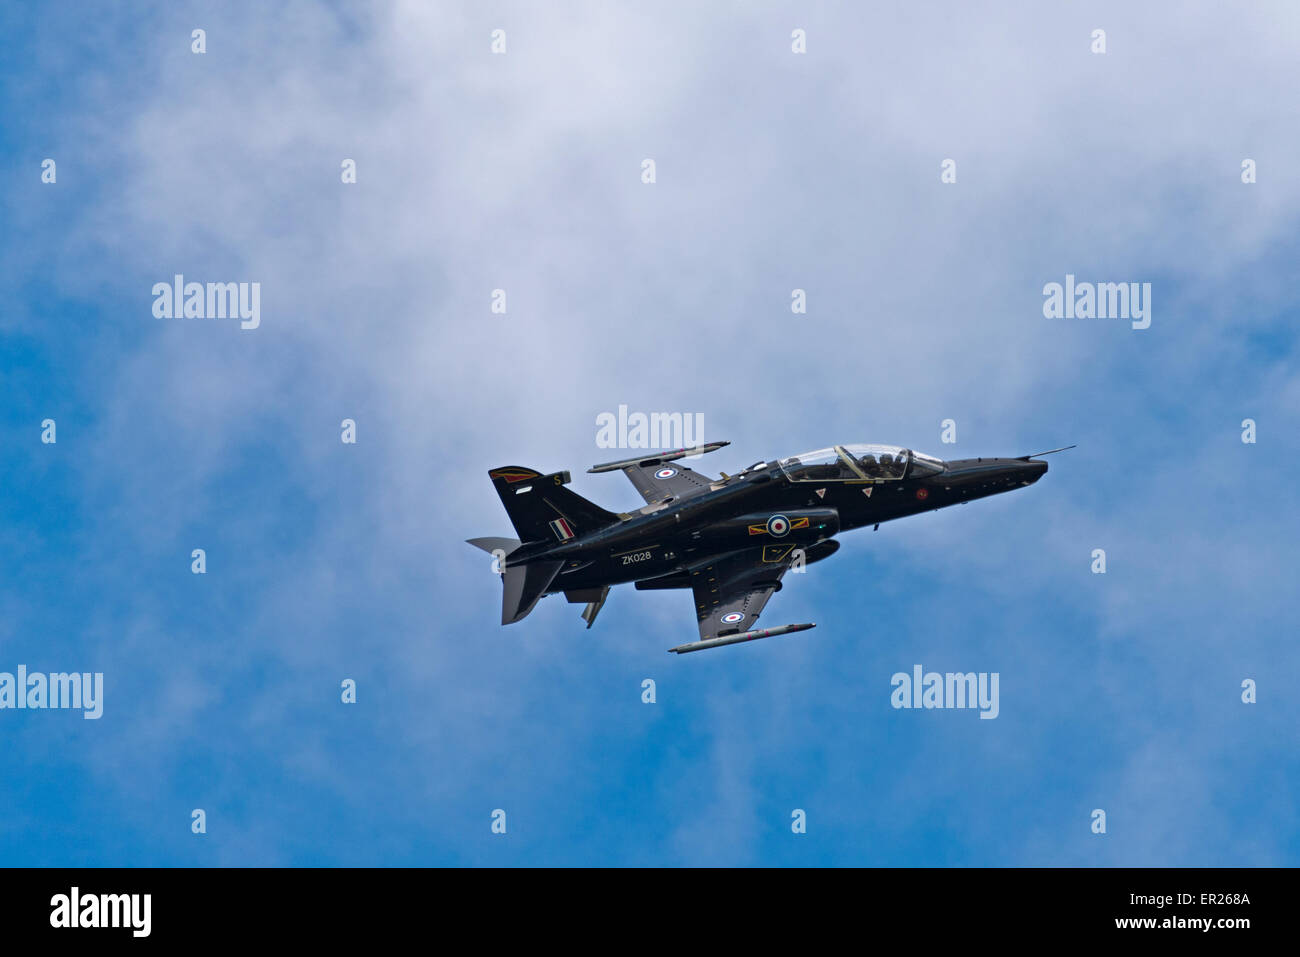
(498, 548)
(524, 587)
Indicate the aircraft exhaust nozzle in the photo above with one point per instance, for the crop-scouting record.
(743, 636)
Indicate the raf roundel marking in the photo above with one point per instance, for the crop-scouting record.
(778, 525)
(665, 473)
(732, 618)
(922, 493)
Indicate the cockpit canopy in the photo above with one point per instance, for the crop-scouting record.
(860, 463)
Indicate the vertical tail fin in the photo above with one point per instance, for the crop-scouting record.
(542, 509)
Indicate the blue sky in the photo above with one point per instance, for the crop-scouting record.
(775, 171)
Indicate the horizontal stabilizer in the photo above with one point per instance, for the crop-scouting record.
(524, 585)
(491, 544)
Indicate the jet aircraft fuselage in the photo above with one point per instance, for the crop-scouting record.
(730, 539)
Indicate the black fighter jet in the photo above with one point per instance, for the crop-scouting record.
(730, 539)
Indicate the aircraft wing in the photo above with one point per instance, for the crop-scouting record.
(659, 482)
(659, 478)
(731, 592)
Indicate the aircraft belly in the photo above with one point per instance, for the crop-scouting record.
(626, 566)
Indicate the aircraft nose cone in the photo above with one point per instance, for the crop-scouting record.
(975, 478)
